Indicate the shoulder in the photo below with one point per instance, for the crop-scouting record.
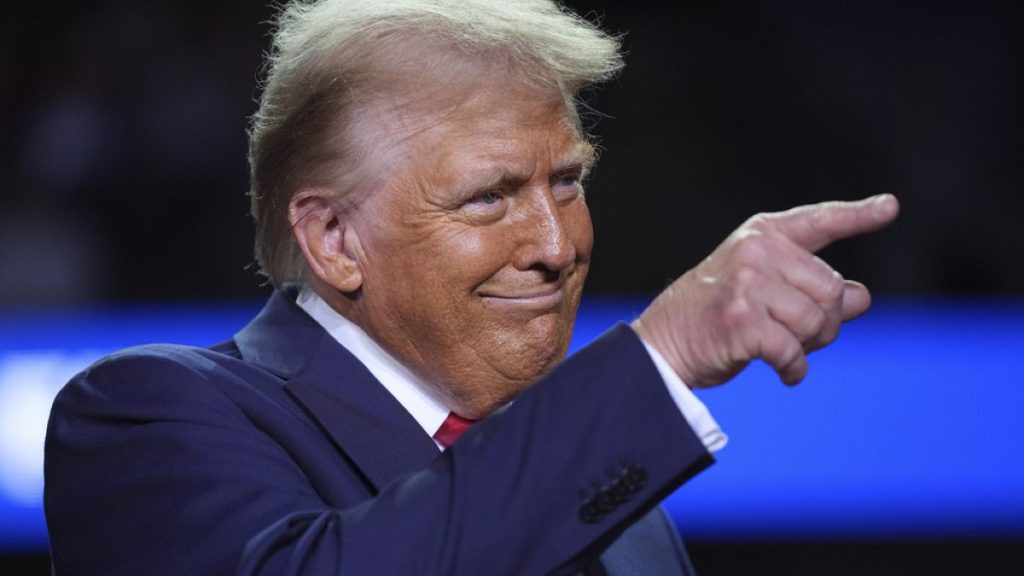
(160, 376)
(164, 356)
(157, 362)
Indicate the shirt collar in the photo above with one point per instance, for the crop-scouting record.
(410, 391)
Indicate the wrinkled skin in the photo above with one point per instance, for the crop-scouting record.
(763, 294)
(470, 257)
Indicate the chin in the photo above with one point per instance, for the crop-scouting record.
(545, 344)
(525, 362)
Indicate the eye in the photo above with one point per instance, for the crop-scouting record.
(567, 186)
(568, 180)
(489, 197)
(486, 207)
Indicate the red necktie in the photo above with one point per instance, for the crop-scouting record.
(453, 427)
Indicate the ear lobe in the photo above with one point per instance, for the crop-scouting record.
(331, 247)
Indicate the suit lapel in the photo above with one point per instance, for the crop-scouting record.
(359, 415)
(368, 425)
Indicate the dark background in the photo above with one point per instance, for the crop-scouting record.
(123, 175)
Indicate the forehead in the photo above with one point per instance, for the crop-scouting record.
(485, 119)
(504, 122)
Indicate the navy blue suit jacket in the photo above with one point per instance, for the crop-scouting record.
(277, 452)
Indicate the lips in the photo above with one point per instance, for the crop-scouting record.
(538, 298)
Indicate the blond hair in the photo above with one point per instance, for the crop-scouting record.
(328, 57)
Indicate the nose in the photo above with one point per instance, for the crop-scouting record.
(545, 239)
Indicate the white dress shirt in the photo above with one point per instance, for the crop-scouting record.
(428, 410)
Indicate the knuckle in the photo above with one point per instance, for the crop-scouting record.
(814, 322)
(782, 352)
(832, 285)
(825, 334)
(750, 246)
(833, 288)
(817, 343)
(829, 332)
(737, 306)
(738, 312)
(745, 276)
(759, 222)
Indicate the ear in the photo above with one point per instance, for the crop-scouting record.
(331, 247)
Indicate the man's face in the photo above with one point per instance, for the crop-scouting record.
(476, 246)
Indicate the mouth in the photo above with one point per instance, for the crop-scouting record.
(543, 298)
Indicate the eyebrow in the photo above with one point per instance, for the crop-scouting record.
(585, 154)
(582, 155)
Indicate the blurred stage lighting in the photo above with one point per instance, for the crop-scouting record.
(908, 427)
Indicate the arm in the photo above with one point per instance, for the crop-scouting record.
(157, 463)
(508, 497)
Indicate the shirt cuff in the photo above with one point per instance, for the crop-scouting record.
(692, 409)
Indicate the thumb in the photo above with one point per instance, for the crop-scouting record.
(856, 300)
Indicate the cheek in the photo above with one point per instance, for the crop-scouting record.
(469, 257)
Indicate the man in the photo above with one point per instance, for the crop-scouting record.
(417, 172)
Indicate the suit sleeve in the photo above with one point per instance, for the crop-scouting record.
(539, 488)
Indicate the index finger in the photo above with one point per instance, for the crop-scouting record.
(815, 226)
